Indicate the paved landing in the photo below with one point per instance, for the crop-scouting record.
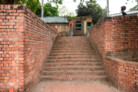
(74, 86)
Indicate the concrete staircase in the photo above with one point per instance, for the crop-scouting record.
(73, 58)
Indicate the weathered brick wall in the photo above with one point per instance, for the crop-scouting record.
(123, 74)
(116, 36)
(38, 42)
(25, 42)
(11, 49)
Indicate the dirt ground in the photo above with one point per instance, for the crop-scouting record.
(74, 86)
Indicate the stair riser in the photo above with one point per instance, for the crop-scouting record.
(66, 61)
(73, 73)
(75, 69)
(73, 57)
(75, 78)
(71, 46)
(74, 49)
(69, 52)
(72, 53)
(71, 64)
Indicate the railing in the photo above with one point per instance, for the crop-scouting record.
(132, 13)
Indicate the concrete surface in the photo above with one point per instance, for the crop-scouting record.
(74, 86)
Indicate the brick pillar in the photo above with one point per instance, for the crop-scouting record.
(11, 49)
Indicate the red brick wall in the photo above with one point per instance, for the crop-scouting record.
(25, 42)
(38, 42)
(11, 49)
(118, 34)
(123, 74)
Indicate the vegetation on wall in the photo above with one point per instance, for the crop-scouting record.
(134, 8)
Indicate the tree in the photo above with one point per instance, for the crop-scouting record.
(70, 14)
(49, 10)
(33, 5)
(57, 2)
(104, 12)
(91, 9)
(134, 8)
(63, 11)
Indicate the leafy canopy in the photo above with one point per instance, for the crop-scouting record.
(57, 2)
(32, 4)
(91, 9)
(49, 10)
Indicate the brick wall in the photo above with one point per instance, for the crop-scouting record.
(118, 38)
(123, 74)
(25, 42)
(117, 34)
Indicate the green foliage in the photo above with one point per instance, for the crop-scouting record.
(91, 9)
(33, 4)
(70, 14)
(49, 10)
(104, 12)
(134, 8)
(81, 1)
(57, 2)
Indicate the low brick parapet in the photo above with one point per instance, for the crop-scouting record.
(123, 74)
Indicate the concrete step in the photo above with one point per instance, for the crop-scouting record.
(54, 73)
(73, 63)
(77, 77)
(74, 54)
(75, 68)
(73, 51)
(73, 60)
(80, 48)
(72, 45)
(64, 49)
(78, 53)
(72, 57)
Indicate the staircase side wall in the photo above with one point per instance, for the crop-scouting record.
(38, 41)
(115, 37)
(25, 42)
(11, 48)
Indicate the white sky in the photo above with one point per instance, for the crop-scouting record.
(114, 5)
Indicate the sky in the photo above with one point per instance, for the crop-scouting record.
(114, 5)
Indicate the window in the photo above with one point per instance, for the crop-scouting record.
(78, 25)
(88, 25)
